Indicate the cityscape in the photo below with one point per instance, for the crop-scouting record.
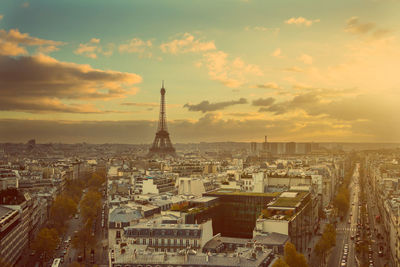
(169, 133)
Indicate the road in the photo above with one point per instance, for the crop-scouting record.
(372, 209)
(71, 255)
(348, 227)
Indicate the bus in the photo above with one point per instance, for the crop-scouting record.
(56, 262)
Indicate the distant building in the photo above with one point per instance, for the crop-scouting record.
(194, 186)
(157, 185)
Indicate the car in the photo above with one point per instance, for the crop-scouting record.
(76, 216)
(380, 253)
(349, 222)
(65, 251)
(352, 237)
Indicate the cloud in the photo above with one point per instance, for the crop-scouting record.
(206, 106)
(269, 85)
(13, 43)
(262, 29)
(294, 69)
(153, 104)
(187, 43)
(354, 26)
(277, 53)
(301, 101)
(209, 128)
(231, 73)
(242, 114)
(306, 59)
(263, 102)
(41, 83)
(93, 48)
(301, 21)
(138, 46)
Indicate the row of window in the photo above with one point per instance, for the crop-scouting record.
(168, 242)
(155, 232)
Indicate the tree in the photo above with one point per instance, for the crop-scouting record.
(84, 238)
(326, 242)
(46, 241)
(63, 207)
(4, 263)
(75, 264)
(90, 205)
(293, 258)
(280, 263)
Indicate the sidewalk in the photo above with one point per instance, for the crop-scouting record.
(313, 260)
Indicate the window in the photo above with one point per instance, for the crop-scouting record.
(156, 241)
(187, 242)
(150, 241)
(162, 241)
(195, 242)
(118, 234)
(169, 242)
(181, 242)
(175, 241)
(144, 241)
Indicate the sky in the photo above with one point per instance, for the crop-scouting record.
(234, 70)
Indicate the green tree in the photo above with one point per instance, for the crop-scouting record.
(46, 241)
(280, 263)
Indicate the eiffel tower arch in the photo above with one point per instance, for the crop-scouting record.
(162, 145)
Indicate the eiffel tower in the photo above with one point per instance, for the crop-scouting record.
(162, 145)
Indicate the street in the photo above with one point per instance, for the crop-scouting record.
(372, 209)
(347, 228)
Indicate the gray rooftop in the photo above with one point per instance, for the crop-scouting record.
(246, 257)
(124, 214)
(4, 211)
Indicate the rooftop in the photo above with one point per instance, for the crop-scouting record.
(246, 257)
(235, 192)
(288, 200)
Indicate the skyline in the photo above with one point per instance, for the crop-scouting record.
(234, 71)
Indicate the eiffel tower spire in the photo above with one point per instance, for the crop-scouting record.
(162, 145)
